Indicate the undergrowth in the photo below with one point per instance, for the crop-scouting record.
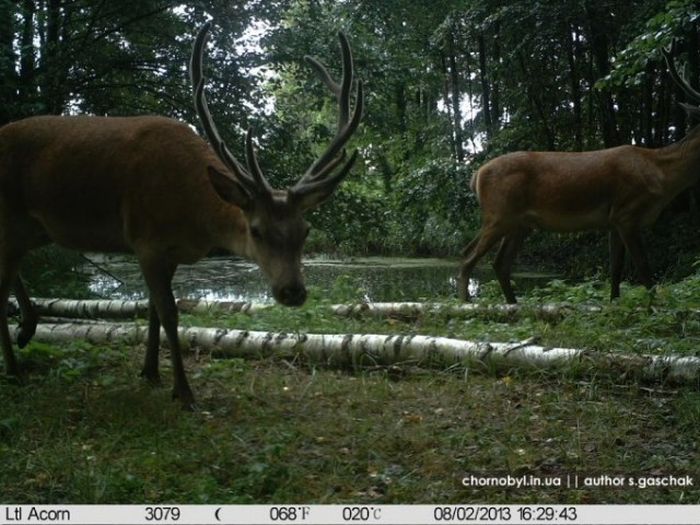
(84, 428)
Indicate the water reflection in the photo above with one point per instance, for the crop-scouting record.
(232, 279)
(219, 278)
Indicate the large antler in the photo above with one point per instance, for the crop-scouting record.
(681, 82)
(319, 178)
(252, 179)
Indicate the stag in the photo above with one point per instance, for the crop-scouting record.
(152, 187)
(622, 190)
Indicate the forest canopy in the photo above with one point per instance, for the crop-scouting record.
(449, 85)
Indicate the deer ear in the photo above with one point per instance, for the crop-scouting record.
(229, 189)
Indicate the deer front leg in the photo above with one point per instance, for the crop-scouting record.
(633, 243)
(503, 263)
(8, 274)
(27, 326)
(158, 275)
(474, 251)
(617, 261)
(150, 365)
(465, 272)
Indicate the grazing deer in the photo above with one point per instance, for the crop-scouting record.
(620, 189)
(152, 187)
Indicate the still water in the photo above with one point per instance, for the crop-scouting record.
(233, 279)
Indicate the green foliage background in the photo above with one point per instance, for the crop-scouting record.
(449, 85)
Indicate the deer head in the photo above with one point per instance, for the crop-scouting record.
(275, 218)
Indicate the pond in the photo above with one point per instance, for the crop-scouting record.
(233, 279)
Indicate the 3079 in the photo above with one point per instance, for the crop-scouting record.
(162, 513)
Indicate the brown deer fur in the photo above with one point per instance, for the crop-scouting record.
(151, 186)
(619, 189)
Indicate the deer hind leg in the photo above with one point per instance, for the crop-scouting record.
(503, 263)
(474, 251)
(27, 327)
(158, 275)
(8, 274)
(617, 261)
(150, 365)
(633, 242)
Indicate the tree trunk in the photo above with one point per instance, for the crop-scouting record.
(647, 108)
(353, 350)
(600, 47)
(400, 93)
(410, 310)
(572, 46)
(694, 55)
(485, 88)
(27, 86)
(496, 91)
(115, 309)
(664, 111)
(8, 78)
(694, 79)
(535, 100)
(53, 96)
(448, 102)
(456, 98)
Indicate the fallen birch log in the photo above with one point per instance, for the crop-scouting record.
(372, 349)
(414, 309)
(117, 309)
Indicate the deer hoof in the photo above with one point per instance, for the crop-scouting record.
(186, 399)
(25, 334)
(152, 377)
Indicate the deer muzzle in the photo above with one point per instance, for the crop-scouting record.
(290, 294)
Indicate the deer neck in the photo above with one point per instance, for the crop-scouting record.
(680, 161)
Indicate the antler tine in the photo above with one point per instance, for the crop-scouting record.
(254, 184)
(347, 124)
(322, 72)
(328, 183)
(340, 90)
(253, 163)
(678, 78)
(347, 78)
(318, 168)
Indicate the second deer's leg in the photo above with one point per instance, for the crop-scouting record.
(617, 262)
(503, 263)
(473, 252)
(634, 245)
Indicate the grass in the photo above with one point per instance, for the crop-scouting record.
(83, 428)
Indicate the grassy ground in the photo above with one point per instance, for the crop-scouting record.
(84, 429)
